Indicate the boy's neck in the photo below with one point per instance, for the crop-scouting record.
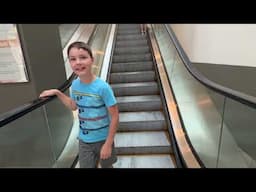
(88, 79)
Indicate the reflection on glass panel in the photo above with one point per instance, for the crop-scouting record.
(200, 116)
(66, 32)
(239, 133)
(99, 46)
(167, 49)
(12, 64)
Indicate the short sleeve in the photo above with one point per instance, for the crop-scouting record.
(108, 96)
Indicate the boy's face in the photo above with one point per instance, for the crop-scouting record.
(80, 61)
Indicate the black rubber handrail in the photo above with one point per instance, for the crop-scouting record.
(14, 114)
(235, 95)
(23, 109)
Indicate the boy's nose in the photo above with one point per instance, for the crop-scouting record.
(78, 61)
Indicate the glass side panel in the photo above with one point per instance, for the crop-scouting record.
(238, 137)
(26, 142)
(60, 121)
(99, 46)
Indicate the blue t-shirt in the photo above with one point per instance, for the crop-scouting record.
(92, 101)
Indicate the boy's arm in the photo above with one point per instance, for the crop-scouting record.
(67, 101)
(113, 111)
(106, 148)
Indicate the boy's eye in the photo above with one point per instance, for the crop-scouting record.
(82, 57)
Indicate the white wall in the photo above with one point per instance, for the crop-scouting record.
(229, 44)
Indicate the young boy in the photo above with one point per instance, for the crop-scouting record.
(97, 106)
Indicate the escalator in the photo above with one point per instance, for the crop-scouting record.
(202, 124)
(142, 140)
